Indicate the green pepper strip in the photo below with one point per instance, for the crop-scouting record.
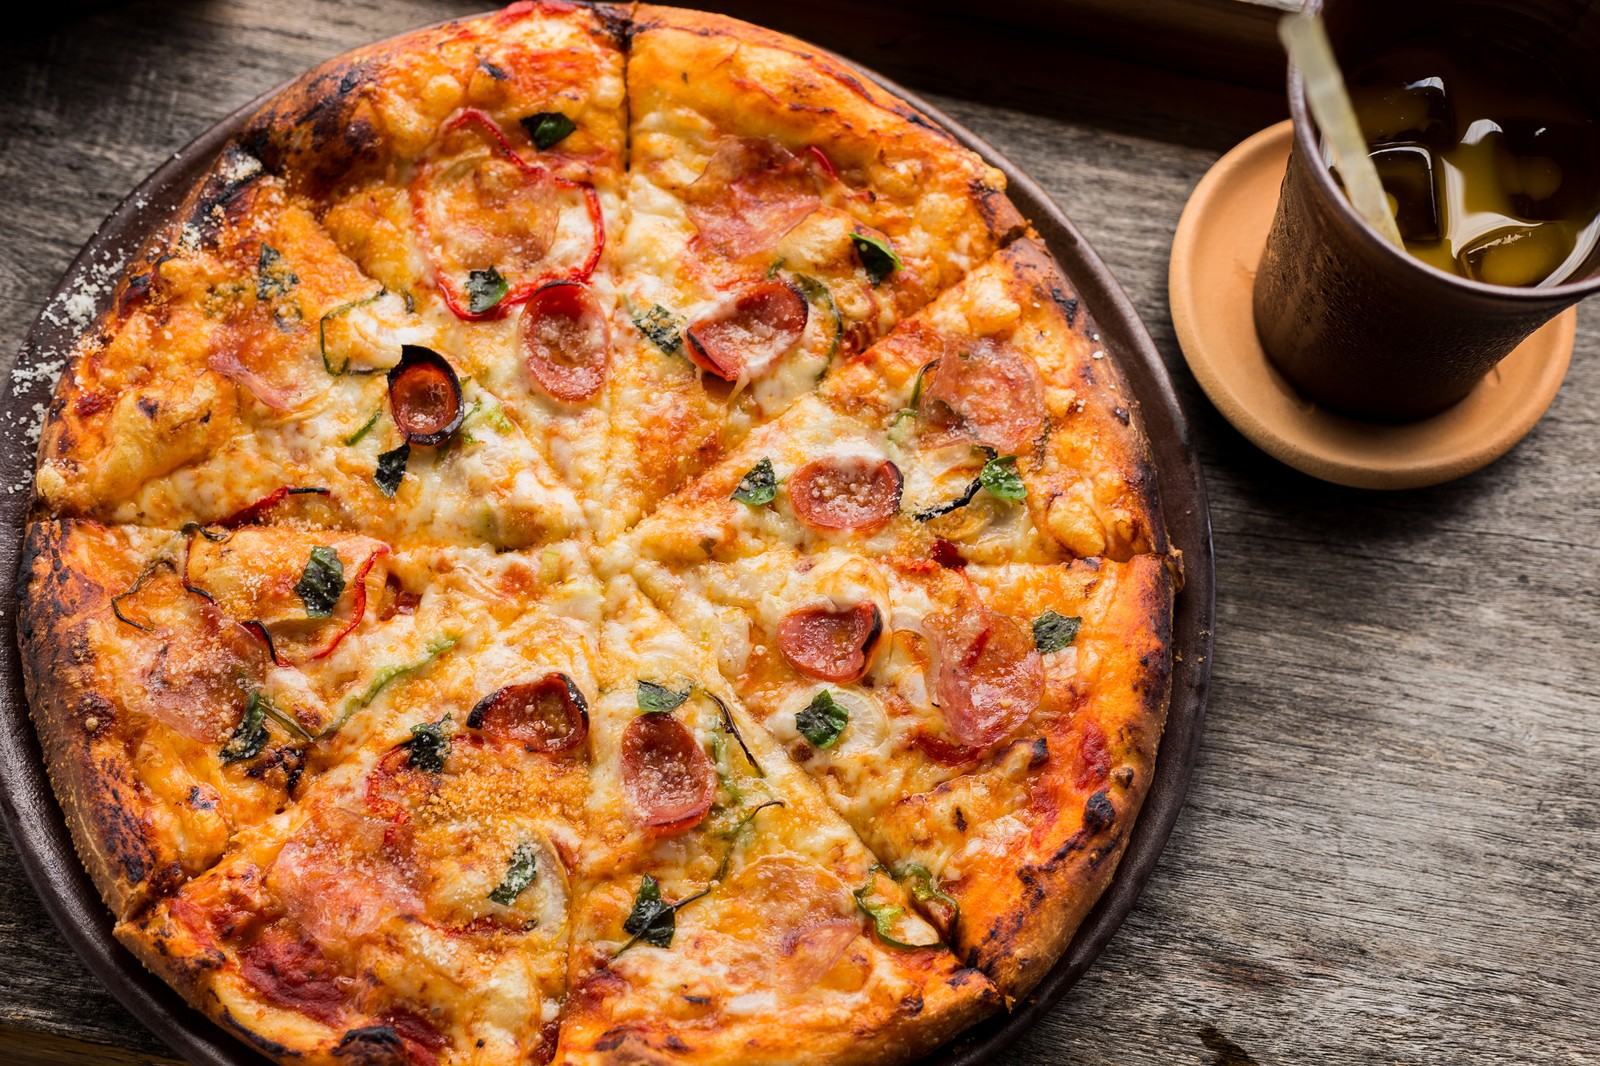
(883, 916)
(322, 335)
(139, 583)
(387, 676)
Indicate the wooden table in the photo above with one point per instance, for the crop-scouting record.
(1389, 852)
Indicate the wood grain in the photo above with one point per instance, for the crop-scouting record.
(1388, 855)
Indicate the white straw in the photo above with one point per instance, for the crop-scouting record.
(1308, 46)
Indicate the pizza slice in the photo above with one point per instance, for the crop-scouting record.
(724, 913)
(781, 214)
(976, 726)
(1005, 382)
(985, 428)
(255, 358)
(477, 169)
(412, 905)
(187, 681)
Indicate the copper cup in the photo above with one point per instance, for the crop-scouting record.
(1353, 322)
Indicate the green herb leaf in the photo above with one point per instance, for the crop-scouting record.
(250, 735)
(273, 276)
(877, 258)
(322, 582)
(1000, 477)
(938, 509)
(548, 128)
(429, 746)
(391, 468)
(759, 486)
(1052, 631)
(656, 699)
(651, 920)
(522, 872)
(485, 288)
(661, 328)
(822, 720)
(366, 427)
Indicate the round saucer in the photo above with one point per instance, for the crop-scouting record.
(1219, 241)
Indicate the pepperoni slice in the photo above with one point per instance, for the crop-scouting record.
(750, 195)
(851, 492)
(565, 341)
(425, 396)
(989, 678)
(831, 645)
(548, 715)
(668, 781)
(989, 394)
(749, 333)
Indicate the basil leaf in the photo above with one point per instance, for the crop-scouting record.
(273, 276)
(759, 486)
(651, 920)
(250, 735)
(822, 720)
(429, 746)
(522, 872)
(485, 288)
(661, 328)
(1052, 631)
(548, 128)
(656, 699)
(877, 258)
(945, 508)
(391, 468)
(1000, 477)
(322, 582)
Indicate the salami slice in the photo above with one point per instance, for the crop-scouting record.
(488, 219)
(988, 677)
(851, 492)
(831, 645)
(667, 779)
(565, 341)
(750, 195)
(548, 715)
(988, 394)
(750, 332)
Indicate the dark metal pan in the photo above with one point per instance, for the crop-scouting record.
(38, 828)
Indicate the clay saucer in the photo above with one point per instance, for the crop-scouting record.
(1214, 255)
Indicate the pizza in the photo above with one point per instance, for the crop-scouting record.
(596, 535)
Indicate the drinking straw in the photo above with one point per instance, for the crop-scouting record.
(1308, 46)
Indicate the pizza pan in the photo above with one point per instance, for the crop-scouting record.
(35, 820)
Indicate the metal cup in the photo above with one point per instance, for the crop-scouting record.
(1356, 324)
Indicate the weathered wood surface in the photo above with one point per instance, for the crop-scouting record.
(1389, 852)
